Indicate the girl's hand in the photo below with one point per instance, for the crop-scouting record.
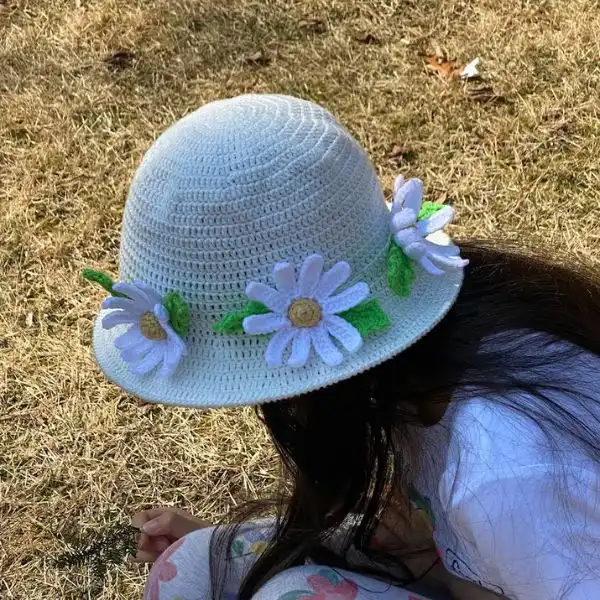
(160, 527)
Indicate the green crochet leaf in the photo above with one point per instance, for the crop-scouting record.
(429, 208)
(102, 279)
(233, 322)
(400, 271)
(179, 313)
(368, 317)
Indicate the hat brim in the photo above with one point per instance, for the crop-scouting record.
(204, 380)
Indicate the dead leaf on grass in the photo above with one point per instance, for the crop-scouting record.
(119, 59)
(258, 58)
(445, 69)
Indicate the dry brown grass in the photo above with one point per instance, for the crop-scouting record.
(75, 451)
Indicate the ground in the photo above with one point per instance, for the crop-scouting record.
(84, 89)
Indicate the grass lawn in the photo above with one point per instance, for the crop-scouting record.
(85, 87)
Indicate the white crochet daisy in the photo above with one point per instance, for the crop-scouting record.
(305, 314)
(420, 239)
(150, 340)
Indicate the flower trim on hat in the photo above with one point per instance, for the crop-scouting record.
(304, 314)
(418, 237)
(157, 324)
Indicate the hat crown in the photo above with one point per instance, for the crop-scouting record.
(240, 185)
(219, 200)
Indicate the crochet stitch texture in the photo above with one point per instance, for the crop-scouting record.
(224, 194)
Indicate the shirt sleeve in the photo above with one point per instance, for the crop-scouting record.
(534, 531)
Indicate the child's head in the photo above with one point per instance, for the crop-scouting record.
(259, 260)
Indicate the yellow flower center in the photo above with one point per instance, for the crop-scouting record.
(305, 313)
(151, 328)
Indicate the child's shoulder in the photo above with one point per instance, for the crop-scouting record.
(492, 437)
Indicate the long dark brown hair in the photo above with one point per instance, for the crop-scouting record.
(343, 447)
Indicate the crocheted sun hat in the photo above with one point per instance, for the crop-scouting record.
(259, 260)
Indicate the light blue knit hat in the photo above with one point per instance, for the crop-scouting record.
(259, 260)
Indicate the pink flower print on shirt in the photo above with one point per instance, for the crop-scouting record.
(327, 590)
(163, 570)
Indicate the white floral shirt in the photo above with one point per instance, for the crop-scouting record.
(508, 511)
